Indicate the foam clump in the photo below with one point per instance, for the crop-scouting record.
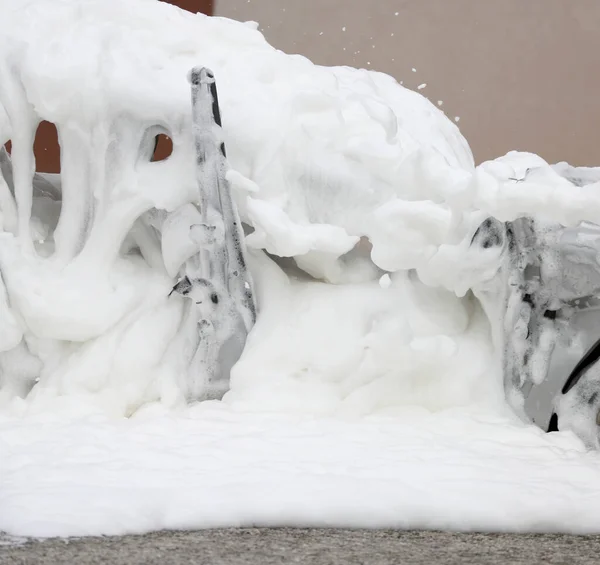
(315, 153)
(341, 175)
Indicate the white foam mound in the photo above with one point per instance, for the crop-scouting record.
(369, 392)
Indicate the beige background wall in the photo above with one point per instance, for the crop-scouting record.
(520, 74)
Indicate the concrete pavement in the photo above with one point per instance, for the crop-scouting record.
(275, 546)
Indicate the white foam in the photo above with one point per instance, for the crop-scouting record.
(372, 401)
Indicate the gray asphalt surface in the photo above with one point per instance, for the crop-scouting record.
(267, 546)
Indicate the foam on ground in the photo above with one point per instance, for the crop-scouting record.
(369, 393)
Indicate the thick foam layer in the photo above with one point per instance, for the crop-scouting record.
(360, 198)
(314, 151)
